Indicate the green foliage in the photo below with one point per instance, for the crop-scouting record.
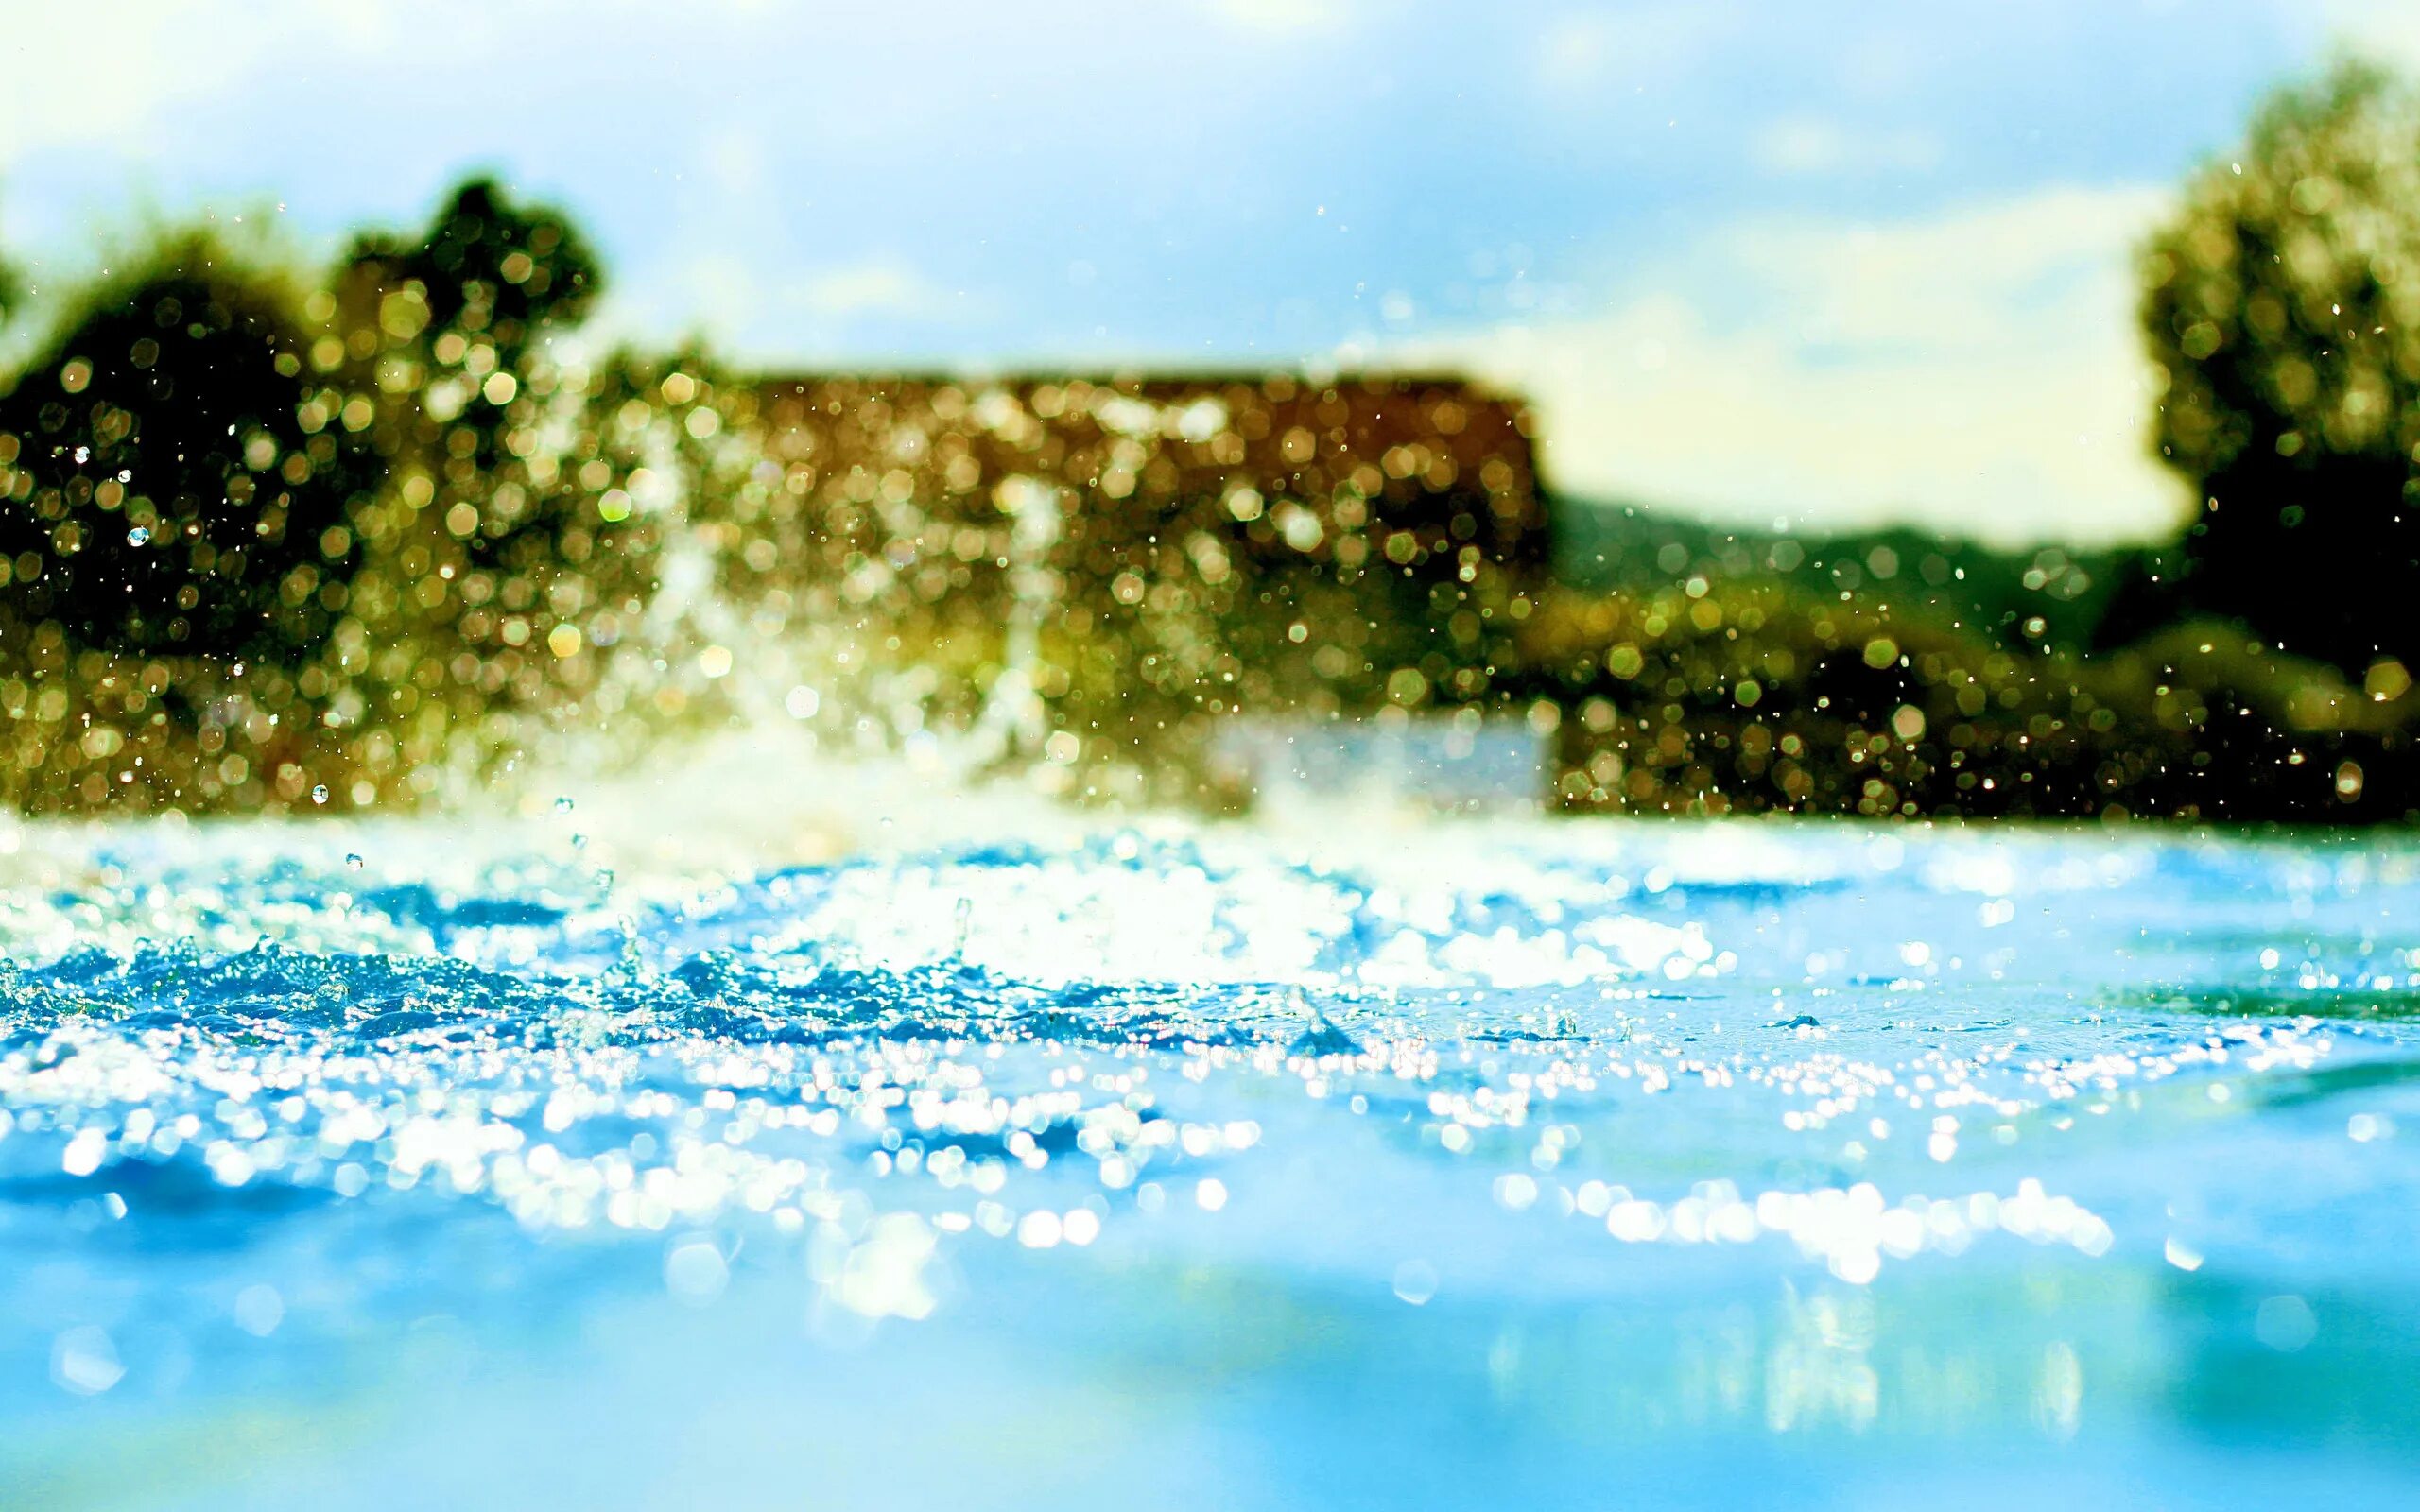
(519, 523)
(12, 290)
(486, 268)
(1747, 700)
(267, 548)
(168, 495)
(2044, 596)
(2282, 306)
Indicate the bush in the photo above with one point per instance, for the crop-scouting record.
(1756, 699)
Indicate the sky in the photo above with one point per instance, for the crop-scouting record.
(1828, 264)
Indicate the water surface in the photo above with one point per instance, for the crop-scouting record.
(1344, 1162)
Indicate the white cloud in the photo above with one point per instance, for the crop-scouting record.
(135, 48)
(1585, 49)
(2385, 28)
(112, 74)
(870, 287)
(749, 308)
(734, 161)
(1977, 372)
(714, 294)
(1279, 15)
(1809, 144)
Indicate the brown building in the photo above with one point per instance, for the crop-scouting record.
(1261, 461)
(1170, 547)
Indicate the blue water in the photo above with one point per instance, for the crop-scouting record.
(1477, 1163)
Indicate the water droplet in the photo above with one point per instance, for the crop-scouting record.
(259, 1310)
(320, 794)
(696, 1272)
(84, 1361)
(353, 860)
(138, 537)
(562, 805)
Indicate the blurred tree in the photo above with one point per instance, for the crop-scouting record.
(508, 511)
(11, 291)
(177, 488)
(450, 326)
(2282, 306)
(497, 272)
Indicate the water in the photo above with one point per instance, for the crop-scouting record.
(1000, 1157)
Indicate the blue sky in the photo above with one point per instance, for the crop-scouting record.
(1825, 262)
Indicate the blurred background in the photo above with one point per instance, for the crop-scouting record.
(1938, 409)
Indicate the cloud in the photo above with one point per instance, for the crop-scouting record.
(1975, 372)
(1584, 49)
(114, 101)
(732, 159)
(1279, 15)
(2384, 28)
(749, 308)
(1809, 144)
(112, 74)
(870, 287)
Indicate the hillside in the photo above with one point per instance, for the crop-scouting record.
(1607, 545)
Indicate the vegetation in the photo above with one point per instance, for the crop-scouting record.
(2050, 596)
(176, 498)
(2283, 307)
(1700, 698)
(269, 544)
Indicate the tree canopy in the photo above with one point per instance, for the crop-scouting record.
(177, 488)
(2282, 305)
(489, 267)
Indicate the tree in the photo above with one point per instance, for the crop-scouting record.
(2282, 305)
(450, 327)
(177, 489)
(488, 268)
(13, 292)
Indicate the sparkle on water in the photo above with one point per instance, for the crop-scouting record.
(1487, 1161)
